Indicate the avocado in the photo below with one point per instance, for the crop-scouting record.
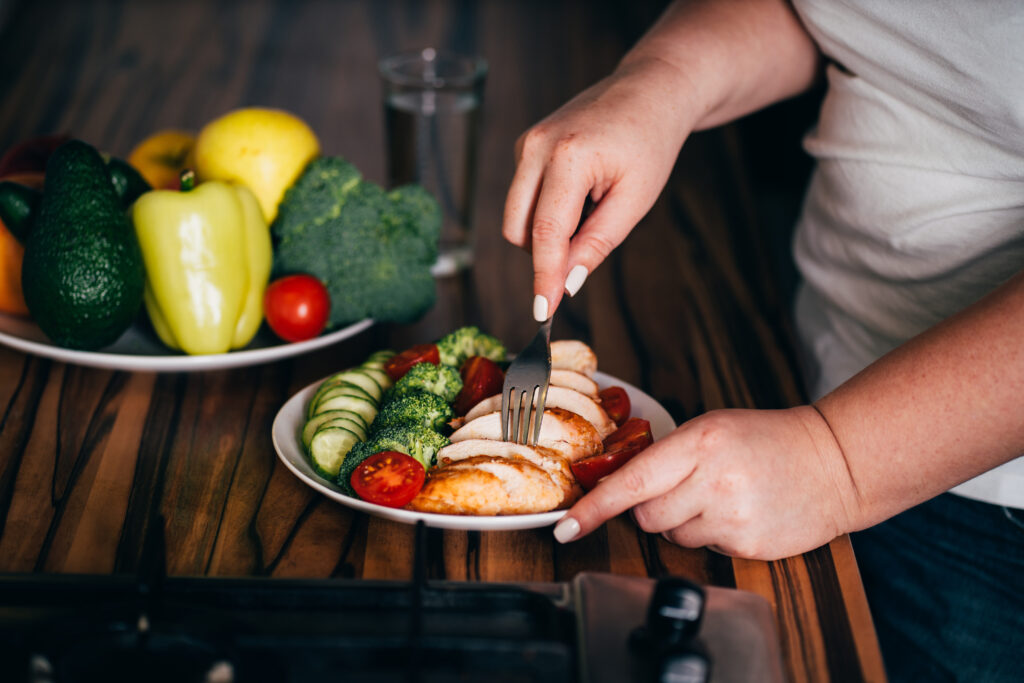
(128, 183)
(82, 272)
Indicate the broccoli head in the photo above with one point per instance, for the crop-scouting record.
(466, 342)
(372, 249)
(360, 452)
(442, 380)
(414, 407)
(416, 440)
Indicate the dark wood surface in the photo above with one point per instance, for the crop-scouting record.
(689, 308)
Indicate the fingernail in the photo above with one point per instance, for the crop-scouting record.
(540, 308)
(566, 530)
(577, 276)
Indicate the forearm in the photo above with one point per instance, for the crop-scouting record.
(729, 57)
(942, 408)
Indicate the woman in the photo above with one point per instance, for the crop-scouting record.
(911, 247)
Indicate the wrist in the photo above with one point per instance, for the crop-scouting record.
(845, 505)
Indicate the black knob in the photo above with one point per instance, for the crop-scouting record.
(675, 612)
(685, 666)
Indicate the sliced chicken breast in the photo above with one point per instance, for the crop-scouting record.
(558, 397)
(571, 379)
(571, 354)
(567, 433)
(488, 485)
(556, 467)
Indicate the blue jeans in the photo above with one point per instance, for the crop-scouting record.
(945, 582)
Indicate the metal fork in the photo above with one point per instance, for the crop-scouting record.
(526, 389)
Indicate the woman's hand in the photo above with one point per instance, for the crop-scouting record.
(616, 142)
(761, 484)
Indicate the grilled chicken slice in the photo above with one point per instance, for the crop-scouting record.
(574, 380)
(488, 485)
(556, 467)
(570, 354)
(567, 433)
(558, 397)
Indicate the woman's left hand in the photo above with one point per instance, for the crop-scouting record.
(760, 484)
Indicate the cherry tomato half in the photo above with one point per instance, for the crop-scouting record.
(400, 363)
(388, 478)
(481, 378)
(296, 307)
(615, 402)
(620, 446)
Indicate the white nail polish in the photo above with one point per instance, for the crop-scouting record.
(566, 530)
(540, 308)
(577, 276)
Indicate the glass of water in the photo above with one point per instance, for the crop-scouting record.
(432, 102)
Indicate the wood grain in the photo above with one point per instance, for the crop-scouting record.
(688, 308)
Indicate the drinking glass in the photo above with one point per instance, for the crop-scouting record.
(432, 103)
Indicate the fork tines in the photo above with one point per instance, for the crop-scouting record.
(526, 389)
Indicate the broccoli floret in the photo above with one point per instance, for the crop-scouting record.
(372, 249)
(416, 440)
(360, 452)
(465, 342)
(414, 407)
(442, 380)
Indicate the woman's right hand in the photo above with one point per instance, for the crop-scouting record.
(616, 142)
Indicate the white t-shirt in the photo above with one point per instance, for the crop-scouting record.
(916, 206)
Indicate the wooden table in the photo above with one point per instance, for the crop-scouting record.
(687, 309)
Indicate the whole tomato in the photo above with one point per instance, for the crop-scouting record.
(296, 307)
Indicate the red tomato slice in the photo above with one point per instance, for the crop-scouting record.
(296, 307)
(620, 446)
(481, 378)
(388, 478)
(615, 402)
(400, 363)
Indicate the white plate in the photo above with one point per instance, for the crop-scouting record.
(138, 349)
(290, 419)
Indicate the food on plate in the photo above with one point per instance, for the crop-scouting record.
(442, 380)
(456, 347)
(163, 156)
(570, 354)
(207, 254)
(468, 469)
(567, 433)
(401, 363)
(296, 307)
(575, 381)
(264, 149)
(389, 478)
(12, 299)
(558, 397)
(82, 272)
(341, 411)
(372, 249)
(481, 377)
(615, 402)
(620, 446)
(31, 155)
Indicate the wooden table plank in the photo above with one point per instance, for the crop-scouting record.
(687, 309)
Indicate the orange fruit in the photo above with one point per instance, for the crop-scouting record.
(162, 157)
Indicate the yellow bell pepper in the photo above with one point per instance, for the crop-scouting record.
(207, 253)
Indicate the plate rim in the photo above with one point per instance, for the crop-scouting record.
(431, 519)
(175, 362)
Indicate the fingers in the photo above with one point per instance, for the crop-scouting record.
(612, 220)
(521, 198)
(653, 473)
(695, 533)
(671, 510)
(559, 204)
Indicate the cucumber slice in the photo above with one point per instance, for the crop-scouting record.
(353, 424)
(364, 380)
(381, 356)
(379, 376)
(364, 407)
(329, 448)
(309, 429)
(343, 389)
